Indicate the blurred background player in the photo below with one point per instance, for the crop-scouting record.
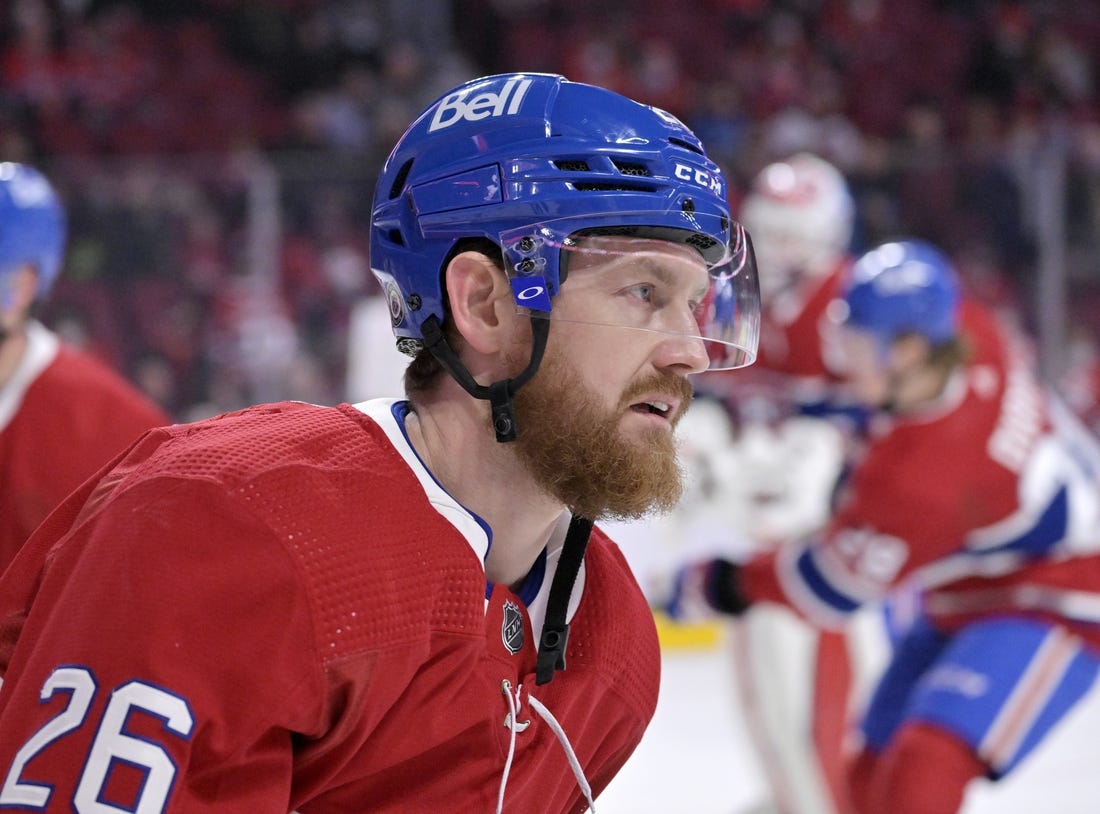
(793, 425)
(803, 216)
(63, 414)
(977, 494)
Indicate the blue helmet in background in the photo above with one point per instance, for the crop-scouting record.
(505, 152)
(903, 287)
(32, 224)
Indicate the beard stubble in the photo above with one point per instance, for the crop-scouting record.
(576, 449)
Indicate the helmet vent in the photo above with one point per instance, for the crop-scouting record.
(687, 145)
(702, 243)
(621, 186)
(628, 168)
(399, 181)
(575, 165)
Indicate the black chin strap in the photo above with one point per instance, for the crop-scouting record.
(555, 628)
(499, 394)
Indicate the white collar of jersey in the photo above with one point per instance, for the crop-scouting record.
(466, 522)
(42, 347)
(476, 532)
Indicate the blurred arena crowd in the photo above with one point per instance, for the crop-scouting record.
(217, 156)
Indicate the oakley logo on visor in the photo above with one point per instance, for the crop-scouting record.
(530, 292)
(454, 107)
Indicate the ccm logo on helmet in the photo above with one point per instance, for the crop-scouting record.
(454, 108)
(701, 177)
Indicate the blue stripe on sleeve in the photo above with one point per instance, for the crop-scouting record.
(1048, 531)
(817, 583)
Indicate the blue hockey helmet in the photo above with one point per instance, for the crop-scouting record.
(899, 288)
(32, 224)
(529, 161)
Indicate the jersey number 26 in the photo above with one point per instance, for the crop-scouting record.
(112, 745)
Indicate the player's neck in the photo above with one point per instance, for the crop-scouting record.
(12, 347)
(921, 387)
(453, 437)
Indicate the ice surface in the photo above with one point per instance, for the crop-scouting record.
(696, 758)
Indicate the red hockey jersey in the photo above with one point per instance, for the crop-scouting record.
(280, 609)
(793, 331)
(63, 415)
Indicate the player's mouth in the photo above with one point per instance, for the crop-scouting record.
(663, 409)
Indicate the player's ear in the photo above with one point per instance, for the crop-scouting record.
(910, 351)
(480, 301)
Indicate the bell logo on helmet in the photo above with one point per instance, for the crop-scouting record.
(454, 107)
(707, 180)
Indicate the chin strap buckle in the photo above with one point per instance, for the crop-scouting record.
(504, 411)
(555, 628)
(551, 652)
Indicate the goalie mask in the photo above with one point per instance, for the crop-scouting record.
(801, 216)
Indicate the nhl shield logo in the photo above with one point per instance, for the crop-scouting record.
(511, 630)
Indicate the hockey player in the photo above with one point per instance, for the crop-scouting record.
(796, 683)
(63, 414)
(979, 492)
(802, 216)
(403, 605)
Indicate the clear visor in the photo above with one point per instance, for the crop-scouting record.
(679, 282)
